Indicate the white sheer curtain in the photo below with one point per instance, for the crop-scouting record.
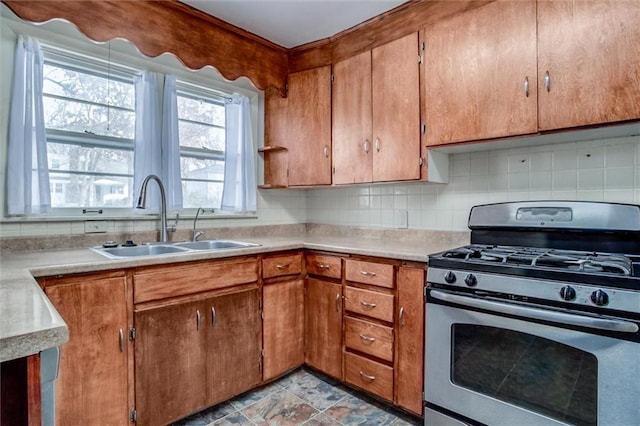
(28, 189)
(147, 153)
(239, 193)
(171, 145)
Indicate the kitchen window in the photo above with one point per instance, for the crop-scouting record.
(89, 113)
(201, 121)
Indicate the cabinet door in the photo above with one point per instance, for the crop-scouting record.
(91, 388)
(591, 50)
(410, 350)
(309, 127)
(351, 113)
(477, 67)
(170, 362)
(396, 110)
(232, 344)
(283, 327)
(323, 327)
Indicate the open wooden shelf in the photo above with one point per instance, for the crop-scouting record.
(272, 148)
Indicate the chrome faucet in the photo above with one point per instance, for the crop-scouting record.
(142, 201)
(197, 234)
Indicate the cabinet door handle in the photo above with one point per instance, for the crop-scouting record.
(121, 340)
(526, 86)
(377, 144)
(367, 339)
(367, 377)
(322, 266)
(214, 316)
(368, 273)
(401, 317)
(338, 302)
(198, 319)
(366, 145)
(325, 151)
(281, 267)
(367, 304)
(547, 81)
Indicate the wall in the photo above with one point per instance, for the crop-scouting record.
(596, 170)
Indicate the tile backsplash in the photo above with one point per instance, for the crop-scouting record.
(598, 170)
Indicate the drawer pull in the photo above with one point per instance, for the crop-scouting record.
(281, 267)
(367, 377)
(121, 340)
(401, 317)
(322, 266)
(214, 316)
(367, 339)
(368, 273)
(198, 319)
(367, 304)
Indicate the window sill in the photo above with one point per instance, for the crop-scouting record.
(149, 217)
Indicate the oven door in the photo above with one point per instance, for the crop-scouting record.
(499, 370)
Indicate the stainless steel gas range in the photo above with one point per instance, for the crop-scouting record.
(537, 321)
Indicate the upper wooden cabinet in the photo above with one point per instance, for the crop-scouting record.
(376, 114)
(298, 131)
(481, 80)
(591, 52)
(480, 74)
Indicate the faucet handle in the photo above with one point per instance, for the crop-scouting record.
(174, 227)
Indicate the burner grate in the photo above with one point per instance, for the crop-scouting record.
(545, 258)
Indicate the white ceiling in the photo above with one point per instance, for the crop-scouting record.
(291, 23)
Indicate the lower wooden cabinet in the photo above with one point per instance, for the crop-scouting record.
(92, 383)
(170, 362)
(283, 327)
(409, 366)
(369, 375)
(190, 355)
(323, 326)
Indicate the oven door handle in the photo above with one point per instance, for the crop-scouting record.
(540, 314)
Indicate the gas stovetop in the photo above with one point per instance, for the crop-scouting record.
(575, 255)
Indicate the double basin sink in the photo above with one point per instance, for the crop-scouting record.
(157, 249)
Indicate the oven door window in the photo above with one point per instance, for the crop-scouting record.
(528, 371)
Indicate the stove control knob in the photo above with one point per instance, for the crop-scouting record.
(567, 293)
(599, 297)
(471, 280)
(450, 277)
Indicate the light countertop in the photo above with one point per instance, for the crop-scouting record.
(29, 323)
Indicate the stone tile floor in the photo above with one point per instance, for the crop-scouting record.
(305, 398)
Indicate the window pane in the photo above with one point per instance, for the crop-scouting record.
(201, 194)
(84, 188)
(80, 190)
(88, 87)
(202, 182)
(200, 110)
(61, 114)
(201, 136)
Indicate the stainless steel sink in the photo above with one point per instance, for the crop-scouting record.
(137, 251)
(216, 244)
(157, 249)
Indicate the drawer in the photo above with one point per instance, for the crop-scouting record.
(369, 338)
(370, 303)
(326, 266)
(369, 375)
(278, 266)
(163, 282)
(379, 274)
